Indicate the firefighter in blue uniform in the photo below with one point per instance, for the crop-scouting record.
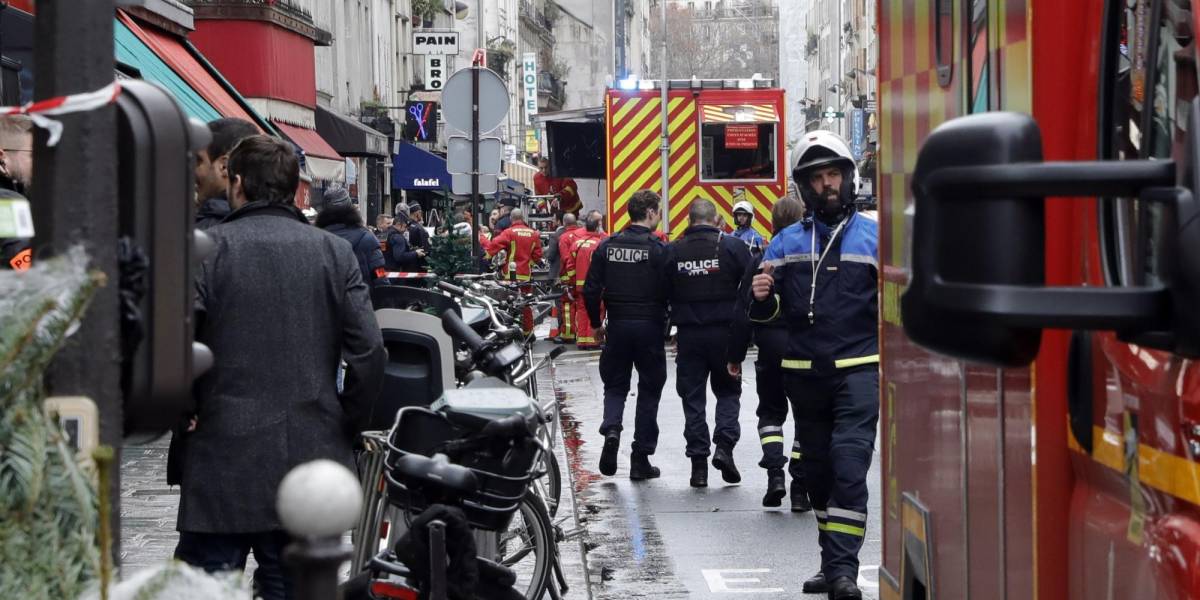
(821, 276)
(705, 268)
(628, 274)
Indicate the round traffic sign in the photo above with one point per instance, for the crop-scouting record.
(456, 100)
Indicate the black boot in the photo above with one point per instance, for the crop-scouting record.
(815, 584)
(608, 456)
(800, 501)
(640, 467)
(775, 488)
(699, 472)
(844, 588)
(723, 461)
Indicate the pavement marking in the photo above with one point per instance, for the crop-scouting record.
(718, 583)
(868, 581)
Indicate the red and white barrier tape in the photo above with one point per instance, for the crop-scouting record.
(40, 110)
(400, 275)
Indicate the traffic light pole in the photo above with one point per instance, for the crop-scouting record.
(74, 200)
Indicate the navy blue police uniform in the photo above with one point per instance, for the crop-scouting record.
(771, 339)
(627, 274)
(705, 267)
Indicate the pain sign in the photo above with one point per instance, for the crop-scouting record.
(431, 41)
(529, 77)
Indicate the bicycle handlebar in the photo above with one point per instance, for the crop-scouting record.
(459, 330)
(450, 287)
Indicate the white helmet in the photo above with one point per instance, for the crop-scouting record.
(823, 149)
(743, 206)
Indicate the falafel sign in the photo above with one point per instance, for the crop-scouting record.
(433, 41)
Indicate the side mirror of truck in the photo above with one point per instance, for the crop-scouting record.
(978, 289)
(157, 145)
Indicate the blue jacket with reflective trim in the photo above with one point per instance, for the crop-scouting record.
(844, 323)
(752, 238)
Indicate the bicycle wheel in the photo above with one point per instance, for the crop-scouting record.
(549, 486)
(528, 547)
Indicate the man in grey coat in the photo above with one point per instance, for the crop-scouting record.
(279, 303)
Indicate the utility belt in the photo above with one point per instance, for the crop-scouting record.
(826, 365)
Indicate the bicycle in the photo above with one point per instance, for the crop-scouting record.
(476, 451)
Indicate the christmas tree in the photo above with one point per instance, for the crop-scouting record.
(450, 255)
(48, 503)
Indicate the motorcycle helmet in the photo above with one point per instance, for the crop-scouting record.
(819, 149)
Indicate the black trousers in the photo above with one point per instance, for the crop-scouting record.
(215, 552)
(838, 415)
(773, 403)
(700, 359)
(632, 344)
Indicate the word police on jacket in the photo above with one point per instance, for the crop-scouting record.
(628, 255)
(698, 267)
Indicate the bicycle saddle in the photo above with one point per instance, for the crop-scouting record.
(437, 471)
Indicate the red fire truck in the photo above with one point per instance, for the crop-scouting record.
(1040, 302)
(725, 138)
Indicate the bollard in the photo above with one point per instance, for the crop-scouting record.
(318, 502)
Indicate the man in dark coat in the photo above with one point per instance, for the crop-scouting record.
(401, 256)
(211, 178)
(339, 216)
(279, 303)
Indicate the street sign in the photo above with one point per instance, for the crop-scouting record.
(456, 99)
(858, 132)
(432, 41)
(833, 114)
(458, 154)
(420, 121)
(461, 184)
(529, 78)
(435, 72)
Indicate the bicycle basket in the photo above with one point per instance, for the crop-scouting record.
(503, 479)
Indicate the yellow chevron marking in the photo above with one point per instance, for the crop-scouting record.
(634, 166)
(624, 132)
(685, 162)
(625, 108)
(621, 222)
(683, 116)
(649, 175)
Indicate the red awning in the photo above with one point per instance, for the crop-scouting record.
(172, 51)
(308, 140)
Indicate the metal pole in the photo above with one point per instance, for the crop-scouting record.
(475, 253)
(665, 148)
(74, 53)
(841, 76)
(314, 565)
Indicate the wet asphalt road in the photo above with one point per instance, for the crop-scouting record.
(664, 539)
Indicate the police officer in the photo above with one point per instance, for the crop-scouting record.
(821, 275)
(743, 220)
(627, 275)
(771, 339)
(705, 269)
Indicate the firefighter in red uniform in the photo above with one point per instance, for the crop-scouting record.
(523, 245)
(579, 261)
(565, 187)
(564, 243)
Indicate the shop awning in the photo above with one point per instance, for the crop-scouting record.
(349, 137)
(417, 169)
(322, 160)
(739, 113)
(202, 78)
(132, 51)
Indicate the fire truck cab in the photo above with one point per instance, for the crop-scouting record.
(1040, 299)
(725, 145)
